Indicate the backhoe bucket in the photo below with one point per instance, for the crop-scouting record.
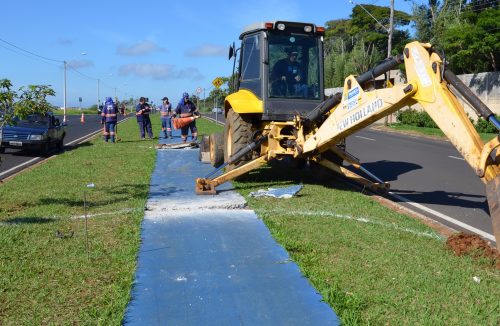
(493, 196)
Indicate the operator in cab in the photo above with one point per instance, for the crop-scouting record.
(286, 76)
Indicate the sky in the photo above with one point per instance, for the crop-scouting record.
(138, 48)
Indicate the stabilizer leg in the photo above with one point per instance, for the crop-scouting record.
(207, 187)
(493, 196)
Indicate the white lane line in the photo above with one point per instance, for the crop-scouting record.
(445, 217)
(365, 138)
(19, 166)
(456, 158)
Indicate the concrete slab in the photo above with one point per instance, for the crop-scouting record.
(207, 260)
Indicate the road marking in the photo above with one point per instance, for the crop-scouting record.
(457, 158)
(19, 166)
(445, 217)
(365, 138)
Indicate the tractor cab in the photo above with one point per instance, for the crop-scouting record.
(280, 70)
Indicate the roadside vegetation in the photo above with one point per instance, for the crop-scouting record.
(420, 122)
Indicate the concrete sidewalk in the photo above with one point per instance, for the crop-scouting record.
(206, 260)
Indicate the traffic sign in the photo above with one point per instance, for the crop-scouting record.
(217, 82)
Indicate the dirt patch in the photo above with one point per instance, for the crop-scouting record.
(472, 244)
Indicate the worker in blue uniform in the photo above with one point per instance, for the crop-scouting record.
(142, 111)
(109, 117)
(186, 109)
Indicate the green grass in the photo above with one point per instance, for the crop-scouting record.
(75, 111)
(48, 280)
(371, 264)
(433, 131)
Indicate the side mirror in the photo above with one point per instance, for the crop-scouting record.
(231, 51)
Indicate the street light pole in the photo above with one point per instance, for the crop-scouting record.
(98, 100)
(64, 110)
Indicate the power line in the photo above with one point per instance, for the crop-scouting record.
(32, 53)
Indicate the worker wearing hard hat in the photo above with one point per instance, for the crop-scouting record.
(109, 118)
(186, 109)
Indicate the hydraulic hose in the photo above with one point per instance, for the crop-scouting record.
(478, 106)
(325, 106)
(239, 154)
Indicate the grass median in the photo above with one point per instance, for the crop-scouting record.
(371, 264)
(434, 132)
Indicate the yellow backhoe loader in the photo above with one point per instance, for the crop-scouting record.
(275, 114)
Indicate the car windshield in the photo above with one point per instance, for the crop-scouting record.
(33, 120)
(294, 66)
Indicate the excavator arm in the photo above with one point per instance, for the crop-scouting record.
(429, 84)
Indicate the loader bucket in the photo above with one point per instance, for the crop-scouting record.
(493, 196)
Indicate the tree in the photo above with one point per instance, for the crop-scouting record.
(33, 99)
(7, 97)
(467, 32)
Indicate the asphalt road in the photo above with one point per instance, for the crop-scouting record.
(15, 160)
(428, 172)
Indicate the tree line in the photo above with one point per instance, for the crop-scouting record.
(467, 33)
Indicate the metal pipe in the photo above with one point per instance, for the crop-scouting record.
(323, 107)
(239, 154)
(387, 65)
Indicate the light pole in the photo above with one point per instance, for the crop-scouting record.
(389, 38)
(64, 109)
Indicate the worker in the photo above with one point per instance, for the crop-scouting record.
(108, 119)
(142, 114)
(286, 76)
(166, 118)
(186, 109)
(147, 121)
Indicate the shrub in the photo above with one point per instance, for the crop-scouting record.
(415, 118)
(484, 126)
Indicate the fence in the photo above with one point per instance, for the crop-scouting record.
(486, 85)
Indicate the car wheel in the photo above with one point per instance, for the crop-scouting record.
(60, 145)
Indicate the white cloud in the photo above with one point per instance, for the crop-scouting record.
(80, 63)
(160, 71)
(141, 48)
(207, 50)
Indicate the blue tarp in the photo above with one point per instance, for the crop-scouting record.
(207, 260)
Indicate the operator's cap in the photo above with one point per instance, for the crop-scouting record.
(185, 95)
(164, 98)
(292, 51)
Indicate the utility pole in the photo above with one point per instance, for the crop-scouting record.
(389, 49)
(64, 110)
(98, 101)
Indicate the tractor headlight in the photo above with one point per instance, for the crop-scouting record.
(308, 29)
(36, 137)
(281, 26)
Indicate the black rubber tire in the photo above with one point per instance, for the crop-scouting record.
(204, 145)
(237, 134)
(60, 145)
(216, 149)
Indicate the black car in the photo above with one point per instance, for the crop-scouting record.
(37, 132)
